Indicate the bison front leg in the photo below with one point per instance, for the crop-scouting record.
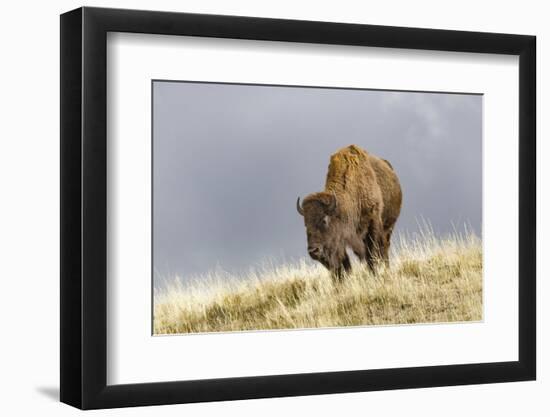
(343, 268)
(375, 244)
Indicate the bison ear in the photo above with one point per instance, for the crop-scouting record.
(332, 204)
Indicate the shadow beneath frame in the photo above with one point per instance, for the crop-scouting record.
(50, 392)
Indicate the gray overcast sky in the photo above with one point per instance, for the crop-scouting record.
(230, 161)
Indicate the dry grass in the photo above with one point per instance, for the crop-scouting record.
(430, 280)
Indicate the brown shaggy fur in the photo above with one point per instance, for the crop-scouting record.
(358, 209)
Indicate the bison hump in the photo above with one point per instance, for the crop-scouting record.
(388, 163)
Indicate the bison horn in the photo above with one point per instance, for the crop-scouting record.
(298, 207)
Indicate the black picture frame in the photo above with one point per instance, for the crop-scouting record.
(84, 207)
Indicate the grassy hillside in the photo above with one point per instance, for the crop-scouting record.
(430, 280)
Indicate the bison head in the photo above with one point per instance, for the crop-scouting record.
(319, 211)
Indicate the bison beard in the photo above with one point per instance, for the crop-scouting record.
(358, 209)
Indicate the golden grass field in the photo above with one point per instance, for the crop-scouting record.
(430, 281)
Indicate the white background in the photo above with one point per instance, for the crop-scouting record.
(29, 211)
(133, 60)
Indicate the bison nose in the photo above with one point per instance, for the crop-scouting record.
(314, 251)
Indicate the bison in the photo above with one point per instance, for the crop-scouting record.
(358, 209)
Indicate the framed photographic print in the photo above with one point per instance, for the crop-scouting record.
(256, 207)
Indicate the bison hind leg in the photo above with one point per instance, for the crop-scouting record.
(387, 240)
